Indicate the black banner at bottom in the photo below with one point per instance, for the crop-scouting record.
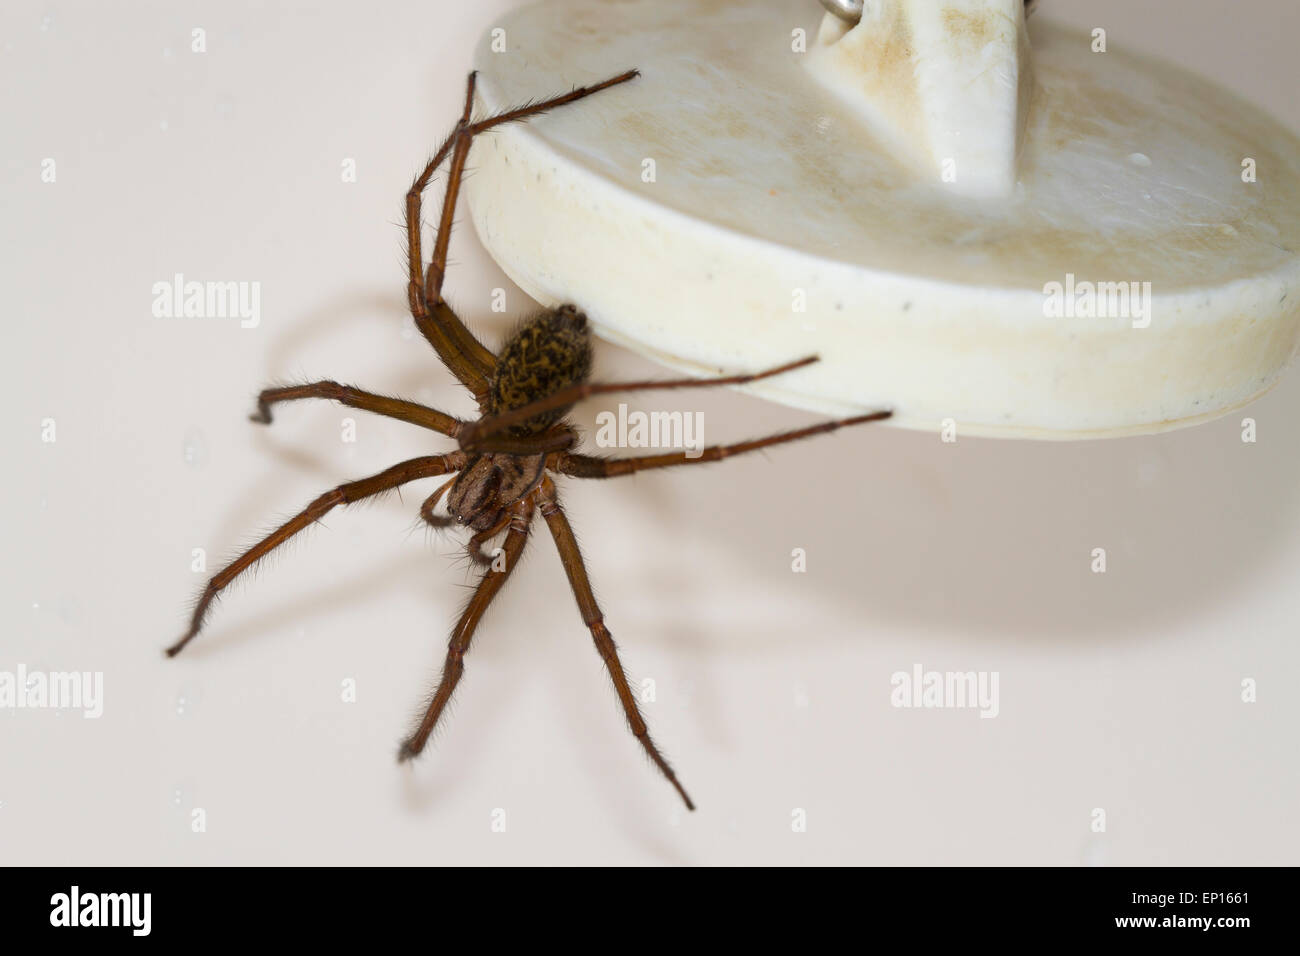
(213, 905)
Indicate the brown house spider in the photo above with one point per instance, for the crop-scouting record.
(506, 457)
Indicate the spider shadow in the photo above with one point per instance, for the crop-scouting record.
(435, 777)
(400, 575)
(995, 538)
(249, 512)
(486, 709)
(418, 365)
(277, 447)
(414, 361)
(318, 603)
(593, 717)
(988, 538)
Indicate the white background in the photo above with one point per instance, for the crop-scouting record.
(1119, 691)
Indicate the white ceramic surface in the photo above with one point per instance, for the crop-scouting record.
(945, 85)
(777, 224)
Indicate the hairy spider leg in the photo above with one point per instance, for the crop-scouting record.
(344, 494)
(571, 557)
(397, 408)
(469, 360)
(590, 466)
(557, 438)
(473, 434)
(431, 502)
(475, 545)
(521, 515)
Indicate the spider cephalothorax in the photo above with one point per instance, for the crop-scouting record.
(506, 457)
(548, 353)
(489, 485)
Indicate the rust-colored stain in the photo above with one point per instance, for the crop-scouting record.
(880, 58)
(971, 31)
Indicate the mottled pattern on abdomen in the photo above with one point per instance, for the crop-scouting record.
(548, 352)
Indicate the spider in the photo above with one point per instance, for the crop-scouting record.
(505, 459)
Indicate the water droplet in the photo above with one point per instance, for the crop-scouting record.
(1139, 159)
(188, 699)
(195, 448)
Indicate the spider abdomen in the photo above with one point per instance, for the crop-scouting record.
(548, 352)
